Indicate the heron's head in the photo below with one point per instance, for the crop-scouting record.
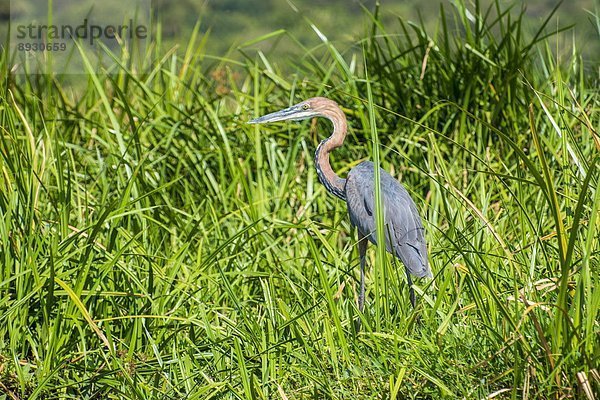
(314, 107)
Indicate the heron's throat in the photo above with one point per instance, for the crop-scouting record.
(332, 182)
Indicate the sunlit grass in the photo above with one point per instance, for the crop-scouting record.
(153, 245)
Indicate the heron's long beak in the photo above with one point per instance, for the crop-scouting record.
(293, 113)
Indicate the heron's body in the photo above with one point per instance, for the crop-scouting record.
(404, 232)
(403, 229)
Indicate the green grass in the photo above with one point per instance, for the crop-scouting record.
(153, 245)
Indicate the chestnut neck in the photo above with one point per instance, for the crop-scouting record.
(332, 182)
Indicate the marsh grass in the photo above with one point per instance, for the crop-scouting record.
(153, 245)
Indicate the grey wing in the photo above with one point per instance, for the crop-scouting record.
(404, 230)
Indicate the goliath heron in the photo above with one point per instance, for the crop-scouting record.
(404, 232)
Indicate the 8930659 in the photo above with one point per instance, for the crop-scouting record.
(40, 46)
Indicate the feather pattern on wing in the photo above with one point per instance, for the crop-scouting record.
(404, 231)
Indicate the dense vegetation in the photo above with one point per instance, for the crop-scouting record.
(153, 245)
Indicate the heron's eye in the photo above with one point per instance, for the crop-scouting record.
(305, 107)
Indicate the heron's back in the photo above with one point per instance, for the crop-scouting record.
(404, 232)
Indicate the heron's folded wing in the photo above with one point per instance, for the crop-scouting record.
(403, 227)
